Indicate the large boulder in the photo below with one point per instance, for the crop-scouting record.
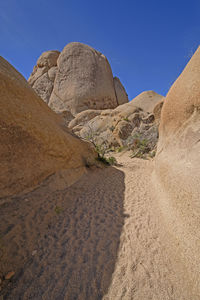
(121, 94)
(83, 81)
(77, 79)
(44, 73)
(177, 167)
(33, 141)
(147, 100)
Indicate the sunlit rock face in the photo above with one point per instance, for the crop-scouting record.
(44, 73)
(147, 100)
(77, 79)
(177, 164)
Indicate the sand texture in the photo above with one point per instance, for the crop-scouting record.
(101, 238)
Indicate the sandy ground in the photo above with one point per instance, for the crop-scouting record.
(101, 238)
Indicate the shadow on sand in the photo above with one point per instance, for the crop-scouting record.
(64, 245)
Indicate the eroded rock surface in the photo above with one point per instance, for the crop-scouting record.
(118, 128)
(77, 79)
(44, 73)
(147, 100)
(177, 168)
(121, 94)
(33, 141)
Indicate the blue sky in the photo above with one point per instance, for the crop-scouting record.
(147, 42)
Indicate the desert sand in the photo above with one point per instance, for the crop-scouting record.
(101, 238)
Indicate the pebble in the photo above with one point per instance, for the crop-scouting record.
(9, 275)
(34, 252)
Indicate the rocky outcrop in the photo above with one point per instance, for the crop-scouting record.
(84, 117)
(43, 75)
(121, 94)
(147, 100)
(157, 111)
(33, 141)
(177, 167)
(77, 79)
(120, 127)
(67, 117)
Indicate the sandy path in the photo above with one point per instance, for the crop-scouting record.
(98, 239)
(144, 268)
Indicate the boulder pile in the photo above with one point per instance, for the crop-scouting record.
(123, 126)
(77, 79)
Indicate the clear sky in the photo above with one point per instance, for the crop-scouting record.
(147, 42)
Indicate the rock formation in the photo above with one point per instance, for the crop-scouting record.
(33, 141)
(43, 75)
(77, 79)
(121, 94)
(119, 127)
(147, 100)
(177, 166)
(157, 110)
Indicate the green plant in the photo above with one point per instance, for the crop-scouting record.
(119, 149)
(107, 160)
(58, 210)
(101, 149)
(140, 147)
(112, 160)
(152, 154)
(102, 159)
(126, 119)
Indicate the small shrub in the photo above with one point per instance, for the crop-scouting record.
(126, 119)
(120, 149)
(140, 147)
(152, 154)
(58, 210)
(112, 160)
(102, 159)
(101, 149)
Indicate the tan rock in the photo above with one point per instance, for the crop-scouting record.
(52, 73)
(157, 110)
(36, 74)
(177, 166)
(48, 59)
(106, 112)
(84, 80)
(125, 110)
(81, 78)
(123, 130)
(67, 117)
(43, 86)
(116, 127)
(147, 100)
(33, 142)
(44, 73)
(121, 94)
(84, 117)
